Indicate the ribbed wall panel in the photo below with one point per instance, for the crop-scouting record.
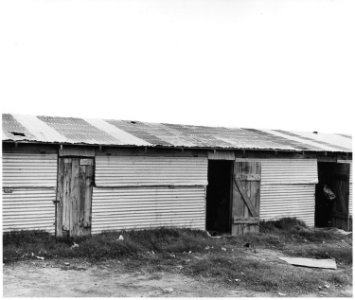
(114, 171)
(29, 170)
(279, 201)
(28, 209)
(29, 184)
(149, 207)
(287, 171)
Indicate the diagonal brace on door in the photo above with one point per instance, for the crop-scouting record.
(246, 199)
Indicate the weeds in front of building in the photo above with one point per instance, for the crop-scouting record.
(247, 260)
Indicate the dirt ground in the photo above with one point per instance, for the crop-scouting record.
(50, 278)
(36, 278)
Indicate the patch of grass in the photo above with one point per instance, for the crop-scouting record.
(168, 249)
(285, 224)
(21, 245)
(261, 276)
(343, 255)
(262, 240)
(164, 241)
(26, 237)
(293, 230)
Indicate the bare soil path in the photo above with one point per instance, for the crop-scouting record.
(50, 278)
(109, 279)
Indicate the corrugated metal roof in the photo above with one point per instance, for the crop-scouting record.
(133, 133)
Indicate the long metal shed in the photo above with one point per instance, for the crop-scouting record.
(74, 176)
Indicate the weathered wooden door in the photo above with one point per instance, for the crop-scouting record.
(246, 197)
(340, 184)
(74, 195)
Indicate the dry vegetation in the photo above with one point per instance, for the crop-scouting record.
(249, 261)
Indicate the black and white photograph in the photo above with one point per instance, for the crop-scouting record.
(177, 148)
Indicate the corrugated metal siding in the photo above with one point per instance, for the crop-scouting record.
(288, 188)
(289, 171)
(279, 201)
(130, 207)
(29, 170)
(29, 189)
(150, 170)
(28, 209)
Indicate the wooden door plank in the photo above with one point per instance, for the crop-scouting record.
(246, 197)
(75, 192)
(66, 194)
(245, 193)
(59, 199)
(81, 200)
(89, 180)
(340, 186)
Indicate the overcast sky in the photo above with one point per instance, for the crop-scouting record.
(262, 64)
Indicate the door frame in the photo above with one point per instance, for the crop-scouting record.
(59, 193)
(231, 160)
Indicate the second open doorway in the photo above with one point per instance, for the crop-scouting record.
(219, 196)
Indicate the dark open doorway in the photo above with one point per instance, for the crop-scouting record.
(219, 196)
(332, 195)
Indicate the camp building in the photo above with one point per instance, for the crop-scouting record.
(75, 177)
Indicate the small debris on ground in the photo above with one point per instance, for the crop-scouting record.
(168, 290)
(341, 231)
(120, 238)
(67, 264)
(40, 257)
(327, 286)
(311, 262)
(179, 267)
(223, 249)
(236, 279)
(282, 294)
(172, 255)
(75, 245)
(190, 252)
(207, 248)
